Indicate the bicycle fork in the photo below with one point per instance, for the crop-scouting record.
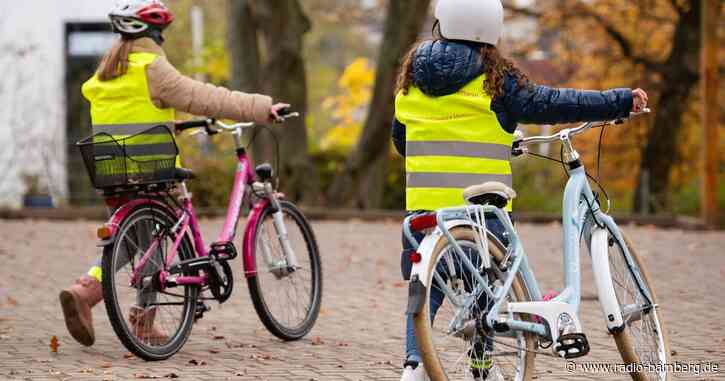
(288, 264)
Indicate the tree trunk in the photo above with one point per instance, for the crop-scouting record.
(679, 77)
(280, 73)
(361, 180)
(243, 46)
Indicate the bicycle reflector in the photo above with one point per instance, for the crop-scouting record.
(104, 232)
(415, 257)
(422, 222)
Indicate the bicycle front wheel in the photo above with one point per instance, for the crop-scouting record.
(449, 340)
(643, 341)
(151, 323)
(286, 297)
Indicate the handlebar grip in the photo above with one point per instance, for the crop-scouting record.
(284, 112)
(182, 126)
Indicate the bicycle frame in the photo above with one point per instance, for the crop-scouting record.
(581, 217)
(188, 223)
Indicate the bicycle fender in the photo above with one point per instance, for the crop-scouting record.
(420, 269)
(114, 222)
(603, 280)
(250, 231)
(416, 296)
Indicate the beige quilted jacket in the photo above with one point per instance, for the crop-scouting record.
(170, 89)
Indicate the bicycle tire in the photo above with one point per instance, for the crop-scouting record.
(422, 324)
(256, 285)
(116, 313)
(624, 339)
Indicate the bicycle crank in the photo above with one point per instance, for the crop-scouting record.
(220, 279)
(572, 345)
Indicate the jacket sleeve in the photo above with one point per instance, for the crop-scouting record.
(537, 104)
(170, 89)
(398, 135)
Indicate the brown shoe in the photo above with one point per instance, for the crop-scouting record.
(76, 303)
(143, 327)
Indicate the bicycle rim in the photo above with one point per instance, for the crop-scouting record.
(287, 300)
(151, 324)
(449, 353)
(643, 340)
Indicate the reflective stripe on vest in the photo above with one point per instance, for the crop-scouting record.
(452, 142)
(122, 108)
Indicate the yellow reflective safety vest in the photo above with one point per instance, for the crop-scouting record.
(122, 108)
(452, 142)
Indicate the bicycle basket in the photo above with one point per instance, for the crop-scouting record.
(148, 157)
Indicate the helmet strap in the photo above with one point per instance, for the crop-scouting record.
(152, 32)
(156, 35)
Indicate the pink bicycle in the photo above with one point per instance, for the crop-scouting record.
(156, 267)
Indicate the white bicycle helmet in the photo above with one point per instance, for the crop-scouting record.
(135, 17)
(470, 20)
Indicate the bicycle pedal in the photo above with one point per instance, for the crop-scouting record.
(572, 345)
(224, 248)
(201, 308)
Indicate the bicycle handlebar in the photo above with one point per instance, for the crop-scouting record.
(207, 124)
(569, 132)
(182, 126)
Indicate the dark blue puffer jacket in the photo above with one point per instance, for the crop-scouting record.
(443, 67)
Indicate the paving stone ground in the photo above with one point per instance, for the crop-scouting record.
(359, 335)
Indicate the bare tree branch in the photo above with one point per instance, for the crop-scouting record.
(615, 34)
(676, 5)
(521, 11)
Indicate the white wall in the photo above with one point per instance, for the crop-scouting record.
(32, 105)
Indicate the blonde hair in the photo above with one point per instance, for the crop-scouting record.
(115, 63)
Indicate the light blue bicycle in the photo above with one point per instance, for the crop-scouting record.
(478, 311)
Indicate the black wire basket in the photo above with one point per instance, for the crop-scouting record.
(149, 157)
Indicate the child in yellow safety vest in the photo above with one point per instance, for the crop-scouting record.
(458, 104)
(135, 88)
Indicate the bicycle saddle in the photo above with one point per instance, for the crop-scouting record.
(184, 174)
(493, 193)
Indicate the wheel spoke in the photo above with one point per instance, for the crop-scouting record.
(288, 300)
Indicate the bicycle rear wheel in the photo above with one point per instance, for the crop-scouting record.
(151, 324)
(451, 352)
(644, 339)
(287, 299)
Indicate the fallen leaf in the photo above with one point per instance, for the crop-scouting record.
(12, 302)
(106, 365)
(219, 337)
(129, 355)
(88, 371)
(171, 375)
(196, 362)
(214, 351)
(144, 376)
(317, 340)
(54, 344)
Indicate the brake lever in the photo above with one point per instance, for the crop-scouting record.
(284, 118)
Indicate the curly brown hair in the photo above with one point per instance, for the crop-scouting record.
(495, 67)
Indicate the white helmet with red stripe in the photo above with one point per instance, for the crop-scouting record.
(135, 17)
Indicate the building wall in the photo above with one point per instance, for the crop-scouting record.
(32, 92)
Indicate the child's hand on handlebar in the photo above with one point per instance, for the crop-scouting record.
(640, 99)
(275, 113)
